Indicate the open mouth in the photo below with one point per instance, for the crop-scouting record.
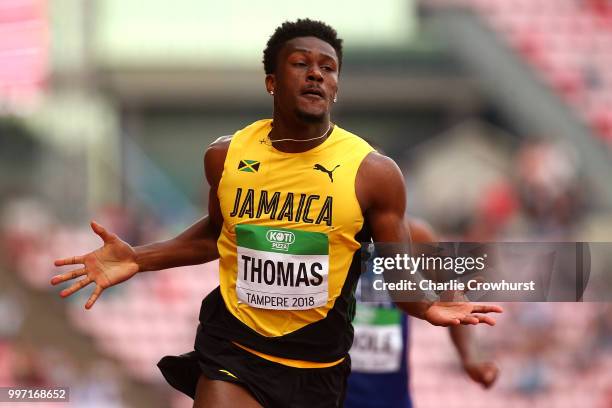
(313, 92)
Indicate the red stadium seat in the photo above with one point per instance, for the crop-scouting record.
(564, 41)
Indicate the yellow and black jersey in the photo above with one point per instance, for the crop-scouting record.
(288, 247)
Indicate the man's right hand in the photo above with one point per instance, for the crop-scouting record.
(108, 265)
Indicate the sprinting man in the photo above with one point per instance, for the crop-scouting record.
(277, 330)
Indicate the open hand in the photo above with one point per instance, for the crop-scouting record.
(108, 265)
(454, 313)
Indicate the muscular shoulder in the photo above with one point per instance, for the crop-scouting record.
(378, 166)
(379, 180)
(214, 159)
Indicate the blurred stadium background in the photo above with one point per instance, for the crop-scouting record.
(498, 111)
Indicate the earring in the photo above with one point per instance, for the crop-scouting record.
(271, 92)
(335, 98)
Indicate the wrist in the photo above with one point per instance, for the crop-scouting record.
(139, 259)
(422, 307)
(429, 299)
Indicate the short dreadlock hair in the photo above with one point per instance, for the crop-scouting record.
(300, 28)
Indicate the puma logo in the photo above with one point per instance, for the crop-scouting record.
(324, 170)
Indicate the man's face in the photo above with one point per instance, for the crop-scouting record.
(306, 78)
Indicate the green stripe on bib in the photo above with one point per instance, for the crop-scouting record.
(281, 240)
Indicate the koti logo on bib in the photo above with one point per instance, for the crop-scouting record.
(281, 269)
(280, 239)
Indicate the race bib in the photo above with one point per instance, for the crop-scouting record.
(281, 269)
(377, 346)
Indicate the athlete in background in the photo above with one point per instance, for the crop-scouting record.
(380, 371)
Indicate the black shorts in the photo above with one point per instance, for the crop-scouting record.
(271, 384)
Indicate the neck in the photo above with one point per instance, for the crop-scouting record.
(299, 130)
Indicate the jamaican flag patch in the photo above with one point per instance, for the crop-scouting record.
(249, 166)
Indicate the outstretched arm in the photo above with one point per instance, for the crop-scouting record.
(116, 261)
(382, 197)
(196, 245)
